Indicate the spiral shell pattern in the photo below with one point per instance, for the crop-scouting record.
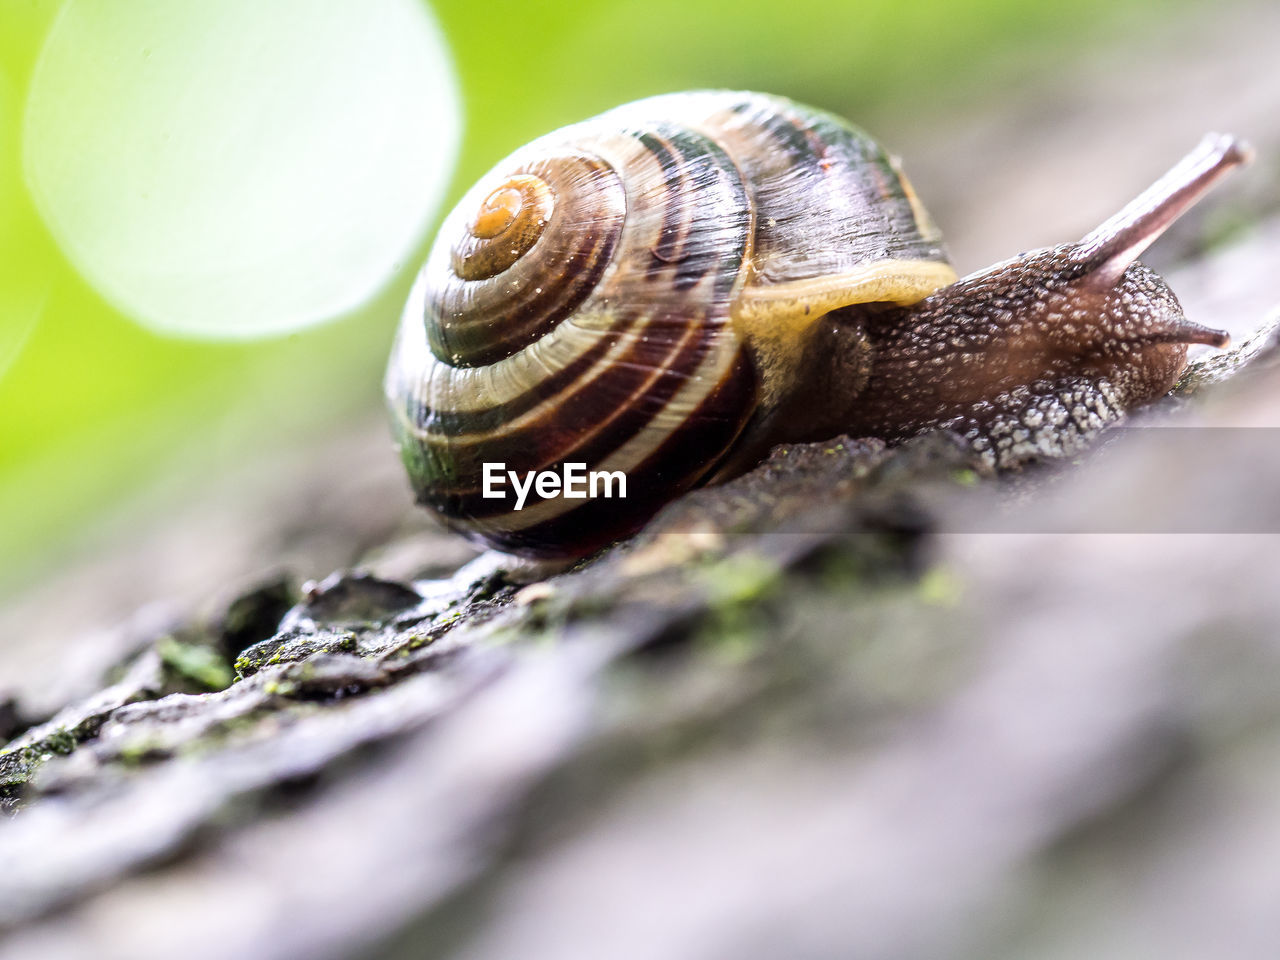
(577, 306)
(505, 295)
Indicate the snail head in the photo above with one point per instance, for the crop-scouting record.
(1086, 309)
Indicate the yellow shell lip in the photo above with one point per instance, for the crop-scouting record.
(801, 303)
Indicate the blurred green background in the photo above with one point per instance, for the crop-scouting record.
(99, 396)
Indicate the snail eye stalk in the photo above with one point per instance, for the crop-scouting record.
(1119, 241)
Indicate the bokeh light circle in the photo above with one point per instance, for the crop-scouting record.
(240, 169)
(23, 281)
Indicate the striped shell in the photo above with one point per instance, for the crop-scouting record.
(631, 293)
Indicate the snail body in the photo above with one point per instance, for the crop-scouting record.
(667, 290)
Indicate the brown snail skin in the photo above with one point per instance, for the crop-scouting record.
(673, 287)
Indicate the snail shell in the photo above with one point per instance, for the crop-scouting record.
(633, 292)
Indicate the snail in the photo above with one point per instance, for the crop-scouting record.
(667, 290)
